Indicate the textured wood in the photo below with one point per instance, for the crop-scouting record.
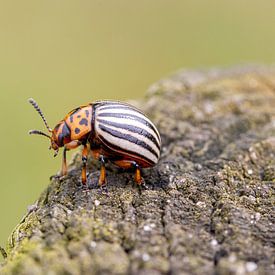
(208, 208)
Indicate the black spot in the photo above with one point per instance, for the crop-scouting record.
(71, 118)
(77, 130)
(87, 113)
(79, 116)
(83, 121)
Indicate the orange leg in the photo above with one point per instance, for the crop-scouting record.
(102, 177)
(73, 144)
(138, 177)
(130, 164)
(84, 165)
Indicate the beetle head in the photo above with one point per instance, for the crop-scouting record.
(54, 144)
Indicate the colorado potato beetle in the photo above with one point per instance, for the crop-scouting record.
(111, 130)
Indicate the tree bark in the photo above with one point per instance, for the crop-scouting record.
(208, 207)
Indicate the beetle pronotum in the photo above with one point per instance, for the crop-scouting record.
(114, 131)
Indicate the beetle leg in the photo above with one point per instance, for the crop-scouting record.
(102, 177)
(84, 164)
(138, 178)
(64, 163)
(73, 144)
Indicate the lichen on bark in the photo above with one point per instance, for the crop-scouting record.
(209, 205)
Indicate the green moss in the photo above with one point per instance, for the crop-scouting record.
(23, 230)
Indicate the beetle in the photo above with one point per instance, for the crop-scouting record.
(112, 130)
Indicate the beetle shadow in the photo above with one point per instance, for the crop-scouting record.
(153, 179)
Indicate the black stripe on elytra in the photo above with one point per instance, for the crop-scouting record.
(129, 138)
(83, 121)
(133, 117)
(123, 151)
(122, 106)
(133, 129)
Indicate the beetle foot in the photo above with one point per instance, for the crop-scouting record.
(142, 185)
(103, 189)
(62, 177)
(85, 189)
(84, 186)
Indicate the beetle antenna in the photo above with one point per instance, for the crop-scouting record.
(37, 132)
(36, 107)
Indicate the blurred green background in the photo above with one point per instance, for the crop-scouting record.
(66, 53)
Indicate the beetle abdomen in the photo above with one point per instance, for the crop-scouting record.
(127, 131)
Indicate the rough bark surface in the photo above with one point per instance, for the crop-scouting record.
(209, 206)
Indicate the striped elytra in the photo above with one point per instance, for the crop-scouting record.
(114, 131)
(128, 132)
